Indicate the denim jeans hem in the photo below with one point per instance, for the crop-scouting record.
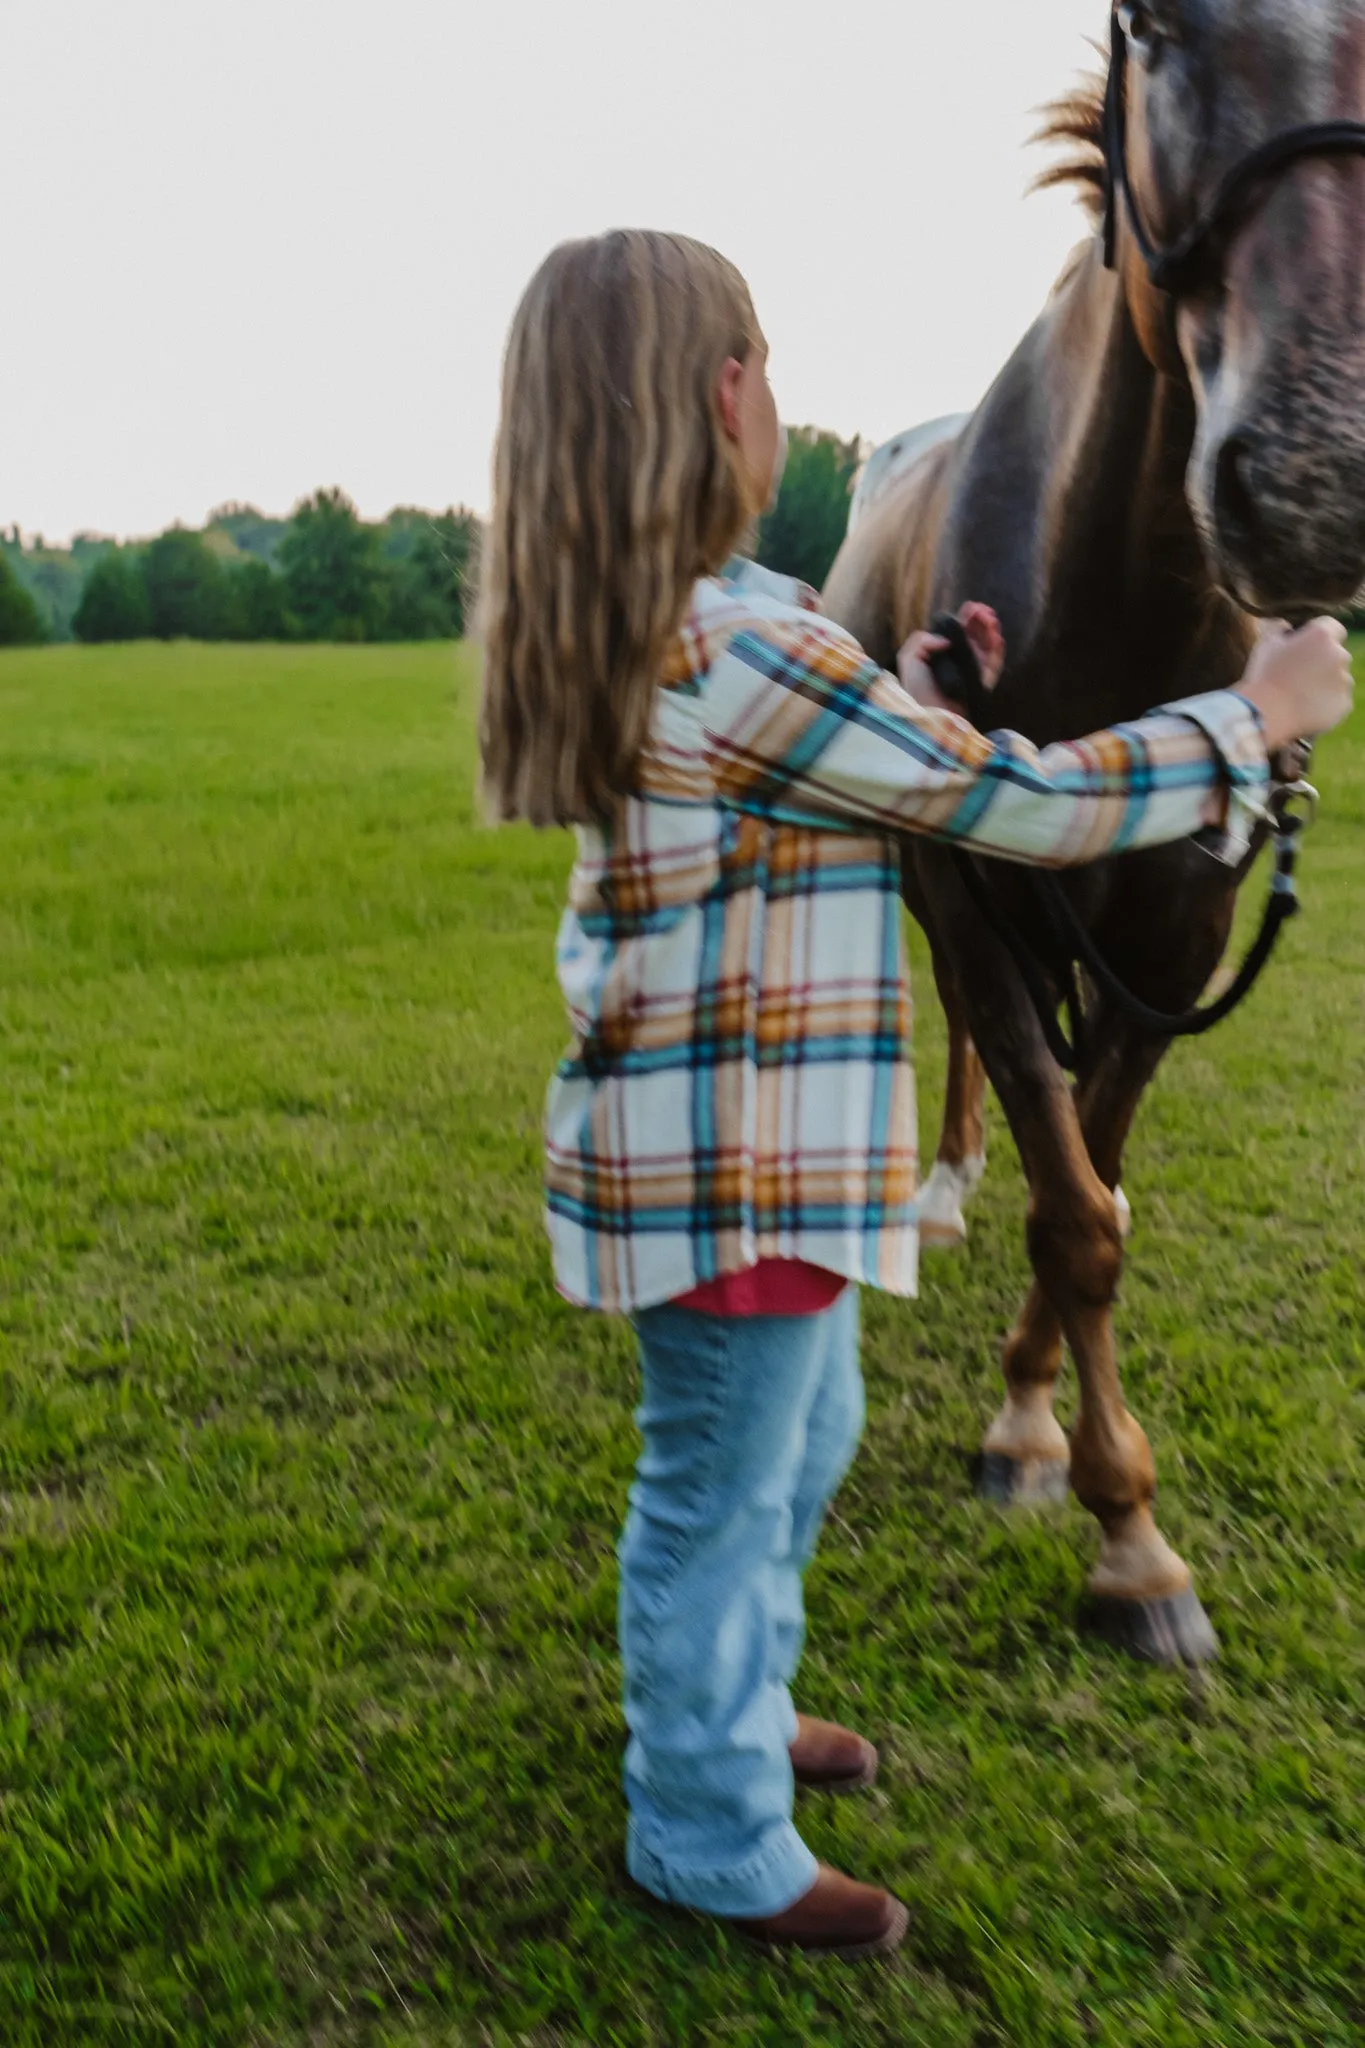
(781, 1873)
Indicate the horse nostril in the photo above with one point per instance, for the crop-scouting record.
(1232, 497)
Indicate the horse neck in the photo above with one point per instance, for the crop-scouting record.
(1122, 586)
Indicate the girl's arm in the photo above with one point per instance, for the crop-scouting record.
(801, 725)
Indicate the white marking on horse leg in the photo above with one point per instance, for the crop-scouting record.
(944, 1196)
(1124, 1207)
(1137, 1563)
(1027, 1430)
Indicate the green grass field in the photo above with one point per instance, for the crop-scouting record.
(309, 1486)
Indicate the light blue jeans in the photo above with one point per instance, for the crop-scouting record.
(749, 1424)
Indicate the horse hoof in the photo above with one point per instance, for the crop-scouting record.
(1022, 1482)
(1174, 1630)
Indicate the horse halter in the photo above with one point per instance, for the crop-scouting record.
(1184, 262)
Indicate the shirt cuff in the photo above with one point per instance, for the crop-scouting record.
(1232, 727)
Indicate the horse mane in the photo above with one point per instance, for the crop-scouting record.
(1075, 123)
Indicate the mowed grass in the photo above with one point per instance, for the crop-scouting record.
(309, 1485)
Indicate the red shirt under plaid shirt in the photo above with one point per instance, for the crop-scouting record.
(739, 1087)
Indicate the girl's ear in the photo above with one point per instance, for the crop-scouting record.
(728, 396)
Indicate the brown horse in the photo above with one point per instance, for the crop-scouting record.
(1150, 469)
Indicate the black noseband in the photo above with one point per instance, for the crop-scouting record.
(1186, 261)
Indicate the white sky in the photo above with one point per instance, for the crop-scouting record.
(256, 247)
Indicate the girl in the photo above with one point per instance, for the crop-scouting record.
(731, 1139)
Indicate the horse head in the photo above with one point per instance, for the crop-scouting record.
(1219, 111)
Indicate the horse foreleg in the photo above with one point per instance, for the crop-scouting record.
(1027, 1455)
(961, 1158)
(1142, 1597)
(1141, 1592)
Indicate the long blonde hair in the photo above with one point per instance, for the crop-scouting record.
(614, 489)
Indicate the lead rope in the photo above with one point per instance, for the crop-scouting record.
(958, 675)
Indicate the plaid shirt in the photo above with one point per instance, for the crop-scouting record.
(732, 956)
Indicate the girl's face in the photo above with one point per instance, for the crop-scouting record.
(748, 412)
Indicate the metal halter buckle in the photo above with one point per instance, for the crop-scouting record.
(1287, 796)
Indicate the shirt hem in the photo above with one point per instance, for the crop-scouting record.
(903, 1287)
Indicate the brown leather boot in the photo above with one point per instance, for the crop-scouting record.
(837, 1917)
(829, 1758)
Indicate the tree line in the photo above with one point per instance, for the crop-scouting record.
(322, 574)
(326, 574)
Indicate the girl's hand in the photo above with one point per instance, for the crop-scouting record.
(982, 628)
(988, 644)
(1300, 683)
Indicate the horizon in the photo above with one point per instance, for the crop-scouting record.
(33, 540)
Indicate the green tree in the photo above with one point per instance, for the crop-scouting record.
(114, 602)
(256, 604)
(21, 623)
(803, 532)
(334, 579)
(250, 531)
(430, 559)
(186, 587)
(50, 578)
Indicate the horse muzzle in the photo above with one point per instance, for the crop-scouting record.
(1276, 357)
(1283, 516)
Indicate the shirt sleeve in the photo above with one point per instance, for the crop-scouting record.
(801, 725)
